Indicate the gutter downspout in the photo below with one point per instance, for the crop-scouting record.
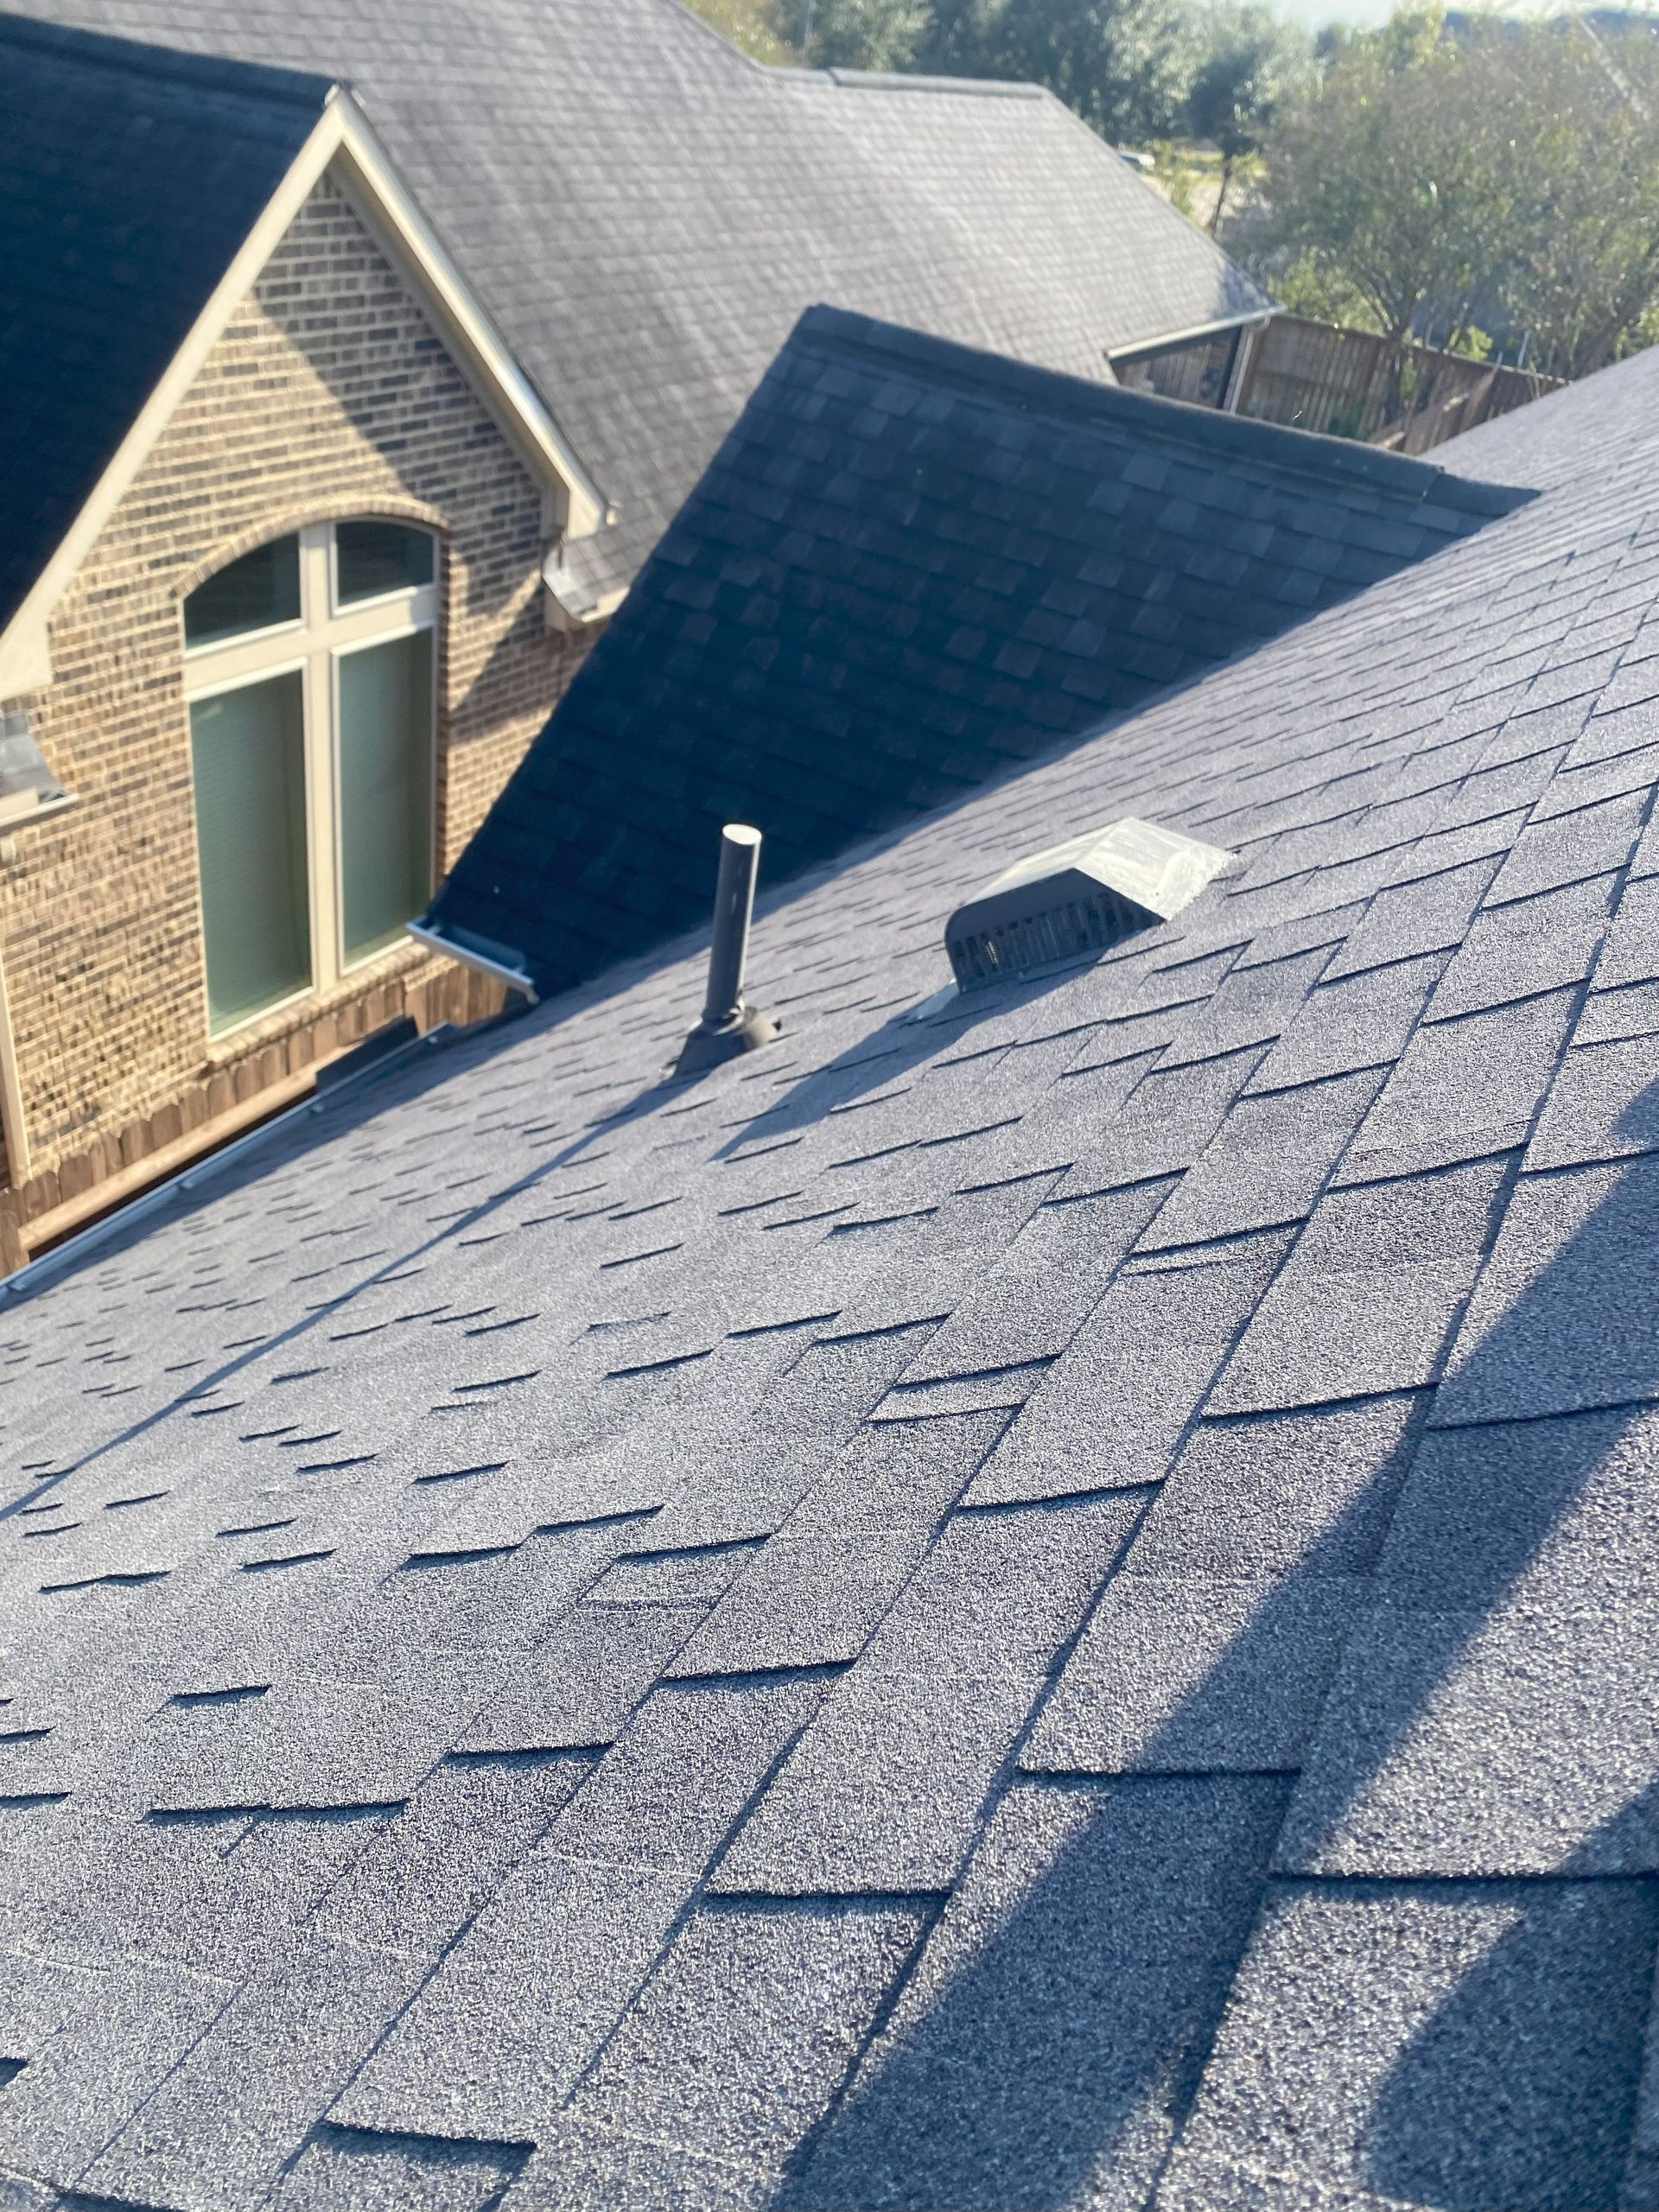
(1243, 355)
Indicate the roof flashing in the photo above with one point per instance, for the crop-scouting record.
(1084, 895)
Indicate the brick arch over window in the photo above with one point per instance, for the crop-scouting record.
(379, 508)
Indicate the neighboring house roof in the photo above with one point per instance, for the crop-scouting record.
(128, 180)
(910, 565)
(646, 210)
(1052, 1603)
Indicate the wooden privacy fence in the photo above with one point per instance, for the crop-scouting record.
(1355, 386)
(1349, 383)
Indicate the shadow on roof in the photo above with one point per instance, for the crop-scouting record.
(1495, 2025)
(910, 568)
(941, 1035)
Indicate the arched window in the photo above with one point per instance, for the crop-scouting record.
(310, 678)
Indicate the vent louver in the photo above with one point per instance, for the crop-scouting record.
(1079, 897)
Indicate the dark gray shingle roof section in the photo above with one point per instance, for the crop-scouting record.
(128, 180)
(645, 212)
(1049, 1606)
(909, 567)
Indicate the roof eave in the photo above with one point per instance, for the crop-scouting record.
(1136, 348)
(573, 602)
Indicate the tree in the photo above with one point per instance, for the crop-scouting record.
(1121, 65)
(1252, 61)
(753, 25)
(1573, 124)
(1504, 179)
(1374, 177)
(858, 34)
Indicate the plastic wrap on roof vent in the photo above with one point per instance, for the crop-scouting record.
(1079, 897)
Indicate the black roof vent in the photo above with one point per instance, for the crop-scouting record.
(1079, 897)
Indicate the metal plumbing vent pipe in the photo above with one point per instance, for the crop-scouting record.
(727, 1026)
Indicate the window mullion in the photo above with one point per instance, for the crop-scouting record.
(321, 814)
(385, 618)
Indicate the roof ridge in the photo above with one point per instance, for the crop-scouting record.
(137, 57)
(899, 80)
(1172, 421)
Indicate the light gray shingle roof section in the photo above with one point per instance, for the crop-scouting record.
(646, 211)
(1052, 1605)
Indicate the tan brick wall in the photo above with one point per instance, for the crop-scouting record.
(329, 394)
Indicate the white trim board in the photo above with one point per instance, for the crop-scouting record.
(14, 1123)
(1137, 349)
(520, 979)
(343, 139)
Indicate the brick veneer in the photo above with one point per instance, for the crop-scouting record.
(329, 394)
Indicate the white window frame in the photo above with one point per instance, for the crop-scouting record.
(325, 633)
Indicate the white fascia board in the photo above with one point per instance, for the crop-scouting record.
(1137, 346)
(339, 135)
(25, 664)
(13, 1122)
(379, 198)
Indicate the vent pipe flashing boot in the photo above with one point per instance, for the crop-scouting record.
(729, 1026)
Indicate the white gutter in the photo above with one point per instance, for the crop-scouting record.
(518, 978)
(1169, 339)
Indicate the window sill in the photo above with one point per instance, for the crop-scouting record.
(297, 1013)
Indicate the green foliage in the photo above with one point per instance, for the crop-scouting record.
(1309, 286)
(1126, 67)
(751, 25)
(1250, 62)
(1507, 178)
(1576, 133)
(1370, 179)
(1122, 65)
(858, 34)
(1176, 176)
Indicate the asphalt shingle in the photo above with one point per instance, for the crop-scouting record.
(1086, 1642)
(909, 567)
(129, 179)
(986, 213)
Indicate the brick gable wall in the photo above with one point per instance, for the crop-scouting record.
(328, 395)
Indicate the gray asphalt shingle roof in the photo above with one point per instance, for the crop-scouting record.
(1048, 1605)
(909, 566)
(128, 180)
(645, 212)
